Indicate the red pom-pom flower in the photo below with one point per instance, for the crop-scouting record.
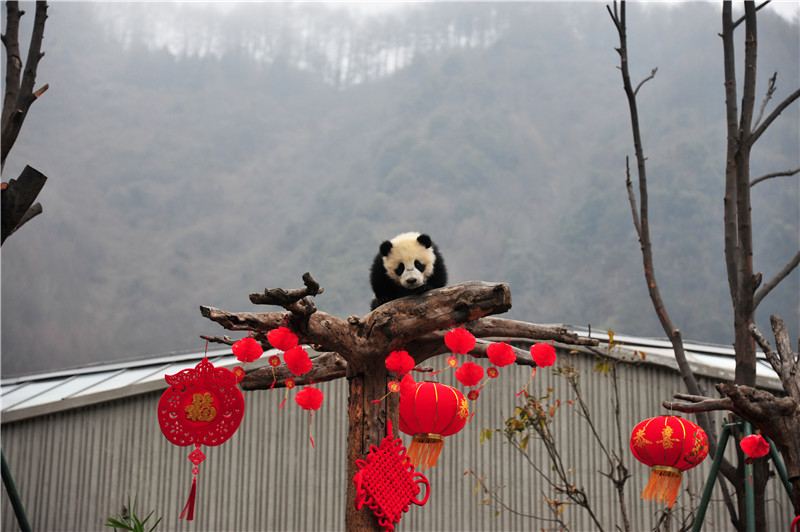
(282, 338)
(407, 386)
(501, 354)
(460, 341)
(309, 398)
(754, 446)
(400, 362)
(469, 374)
(247, 349)
(297, 360)
(543, 354)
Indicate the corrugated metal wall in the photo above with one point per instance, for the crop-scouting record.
(75, 468)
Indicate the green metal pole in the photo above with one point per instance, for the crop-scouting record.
(13, 494)
(749, 495)
(776, 459)
(712, 477)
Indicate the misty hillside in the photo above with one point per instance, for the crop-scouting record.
(196, 155)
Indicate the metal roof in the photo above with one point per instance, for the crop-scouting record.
(45, 393)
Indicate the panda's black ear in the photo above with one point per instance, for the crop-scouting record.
(386, 247)
(425, 240)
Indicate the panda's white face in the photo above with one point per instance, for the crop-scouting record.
(409, 263)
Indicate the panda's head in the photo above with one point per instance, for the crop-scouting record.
(408, 259)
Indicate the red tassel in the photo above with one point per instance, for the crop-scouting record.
(189, 508)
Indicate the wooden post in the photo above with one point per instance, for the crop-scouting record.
(366, 427)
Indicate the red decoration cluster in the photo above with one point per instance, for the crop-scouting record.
(247, 350)
(501, 354)
(282, 338)
(754, 446)
(459, 341)
(469, 374)
(309, 398)
(400, 362)
(297, 360)
(543, 354)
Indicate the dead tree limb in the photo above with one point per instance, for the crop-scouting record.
(19, 93)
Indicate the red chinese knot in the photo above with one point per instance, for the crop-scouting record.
(387, 483)
(669, 445)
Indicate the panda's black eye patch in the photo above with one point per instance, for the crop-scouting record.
(399, 270)
(418, 265)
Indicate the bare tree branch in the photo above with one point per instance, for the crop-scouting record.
(19, 93)
(767, 97)
(784, 173)
(767, 287)
(773, 115)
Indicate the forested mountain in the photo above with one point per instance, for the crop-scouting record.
(198, 154)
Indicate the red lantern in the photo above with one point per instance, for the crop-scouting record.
(432, 412)
(669, 445)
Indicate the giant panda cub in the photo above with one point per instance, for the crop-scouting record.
(409, 264)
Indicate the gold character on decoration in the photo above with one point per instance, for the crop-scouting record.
(201, 409)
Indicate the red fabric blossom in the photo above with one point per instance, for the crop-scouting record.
(754, 446)
(407, 385)
(473, 395)
(309, 398)
(297, 360)
(492, 372)
(394, 386)
(289, 383)
(460, 341)
(452, 362)
(543, 354)
(274, 361)
(282, 338)
(469, 374)
(501, 354)
(247, 349)
(400, 362)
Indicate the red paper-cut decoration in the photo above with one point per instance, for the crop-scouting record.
(202, 406)
(282, 338)
(387, 483)
(754, 446)
(247, 349)
(501, 354)
(469, 374)
(669, 445)
(297, 360)
(429, 414)
(460, 341)
(400, 362)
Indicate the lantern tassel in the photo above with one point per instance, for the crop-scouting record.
(188, 510)
(424, 450)
(664, 485)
